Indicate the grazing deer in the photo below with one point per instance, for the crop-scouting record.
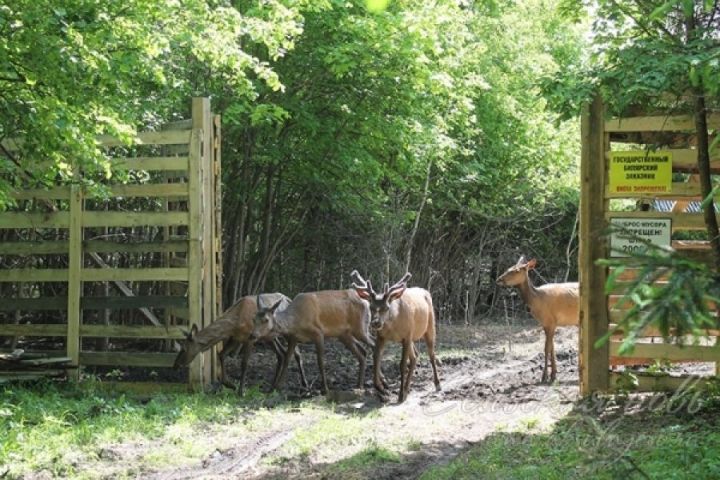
(402, 315)
(314, 316)
(552, 305)
(234, 328)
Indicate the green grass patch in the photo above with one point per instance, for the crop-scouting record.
(358, 465)
(58, 427)
(645, 444)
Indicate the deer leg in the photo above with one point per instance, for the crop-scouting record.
(411, 368)
(247, 349)
(298, 360)
(229, 348)
(553, 365)
(280, 356)
(430, 342)
(547, 355)
(284, 368)
(353, 346)
(378, 380)
(406, 346)
(320, 351)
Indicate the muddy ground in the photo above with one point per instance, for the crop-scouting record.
(490, 380)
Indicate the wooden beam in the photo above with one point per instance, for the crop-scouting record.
(173, 164)
(75, 285)
(663, 383)
(128, 359)
(34, 275)
(34, 220)
(164, 137)
(667, 351)
(594, 362)
(106, 246)
(666, 123)
(135, 274)
(134, 219)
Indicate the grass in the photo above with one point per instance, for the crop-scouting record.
(652, 443)
(56, 427)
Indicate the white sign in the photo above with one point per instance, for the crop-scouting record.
(631, 235)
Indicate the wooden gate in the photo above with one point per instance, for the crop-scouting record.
(600, 204)
(114, 282)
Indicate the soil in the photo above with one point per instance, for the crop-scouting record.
(490, 379)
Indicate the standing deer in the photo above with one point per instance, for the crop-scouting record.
(552, 305)
(234, 327)
(314, 316)
(402, 315)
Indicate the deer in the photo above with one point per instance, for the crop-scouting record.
(234, 328)
(404, 315)
(552, 305)
(314, 316)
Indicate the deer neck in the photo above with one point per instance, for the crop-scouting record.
(528, 292)
(283, 323)
(217, 331)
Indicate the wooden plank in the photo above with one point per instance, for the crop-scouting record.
(106, 246)
(34, 220)
(208, 211)
(663, 383)
(680, 220)
(185, 124)
(34, 330)
(131, 303)
(54, 193)
(181, 313)
(195, 233)
(172, 164)
(614, 303)
(216, 245)
(150, 190)
(660, 351)
(134, 219)
(685, 160)
(631, 274)
(34, 247)
(33, 304)
(75, 285)
(680, 191)
(142, 388)
(116, 331)
(594, 362)
(653, 331)
(128, 359)
(34, 275)
(665, 123)
(134, 274)
(164, 137)
(132, 331)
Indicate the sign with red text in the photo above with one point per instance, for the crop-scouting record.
(640, 172)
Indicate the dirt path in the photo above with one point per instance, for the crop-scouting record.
(491, 381)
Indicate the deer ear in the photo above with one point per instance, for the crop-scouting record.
(396, 294)
(362, 293)
(274, 307)
(193, 332)
(531, 264)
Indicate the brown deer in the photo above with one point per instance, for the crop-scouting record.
(314, 316)
(402, 315)
(552, 305)
(234, 328)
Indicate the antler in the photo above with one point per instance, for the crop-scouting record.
(362, 283)
(400, 284)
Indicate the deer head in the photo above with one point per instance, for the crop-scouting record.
(517, 274)
(264, 320)
(379, 303)
(189, 349)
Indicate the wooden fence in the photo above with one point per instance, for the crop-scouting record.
(600, 205)
(113, 282)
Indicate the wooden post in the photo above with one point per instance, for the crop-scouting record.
(195, 237)
(74, 291)
(594, 362)
(216, 244)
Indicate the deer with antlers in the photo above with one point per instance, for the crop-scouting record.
(314, 316)
(552, 305)
(404, 315)
(234, 328)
